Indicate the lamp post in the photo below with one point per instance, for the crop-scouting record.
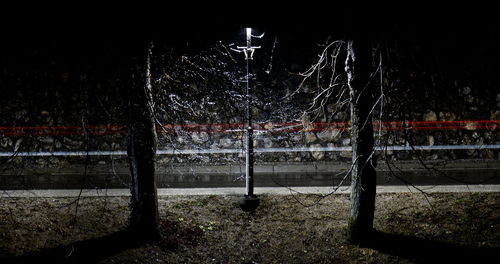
(250, 202)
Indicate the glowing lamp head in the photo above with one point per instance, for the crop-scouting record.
(249, 31)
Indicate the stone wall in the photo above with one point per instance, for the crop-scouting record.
(268, 136)
(88, 107)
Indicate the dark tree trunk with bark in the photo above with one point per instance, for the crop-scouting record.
(359, 68)
(141, 152)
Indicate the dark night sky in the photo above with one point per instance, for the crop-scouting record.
(80, 31)
(195, 21)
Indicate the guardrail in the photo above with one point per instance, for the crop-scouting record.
(228, 151)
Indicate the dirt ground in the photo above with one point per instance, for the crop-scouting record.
(412, 228)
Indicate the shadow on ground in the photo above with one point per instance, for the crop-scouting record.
(415, 249)
(87, 251)
(428, 251)
(94, 250)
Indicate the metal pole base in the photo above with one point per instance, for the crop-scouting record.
(249, 203)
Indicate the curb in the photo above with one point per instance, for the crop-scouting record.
(240, 191)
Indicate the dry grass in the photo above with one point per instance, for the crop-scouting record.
(212, 229)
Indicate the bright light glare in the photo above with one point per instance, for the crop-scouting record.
(249, 31)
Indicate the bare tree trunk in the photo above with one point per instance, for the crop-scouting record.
(358, 68)
(141, 152)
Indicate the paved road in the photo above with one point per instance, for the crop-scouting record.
(193, 179)
(230, 179)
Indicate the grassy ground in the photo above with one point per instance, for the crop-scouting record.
(284, 229)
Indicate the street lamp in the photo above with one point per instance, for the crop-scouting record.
(250, 202)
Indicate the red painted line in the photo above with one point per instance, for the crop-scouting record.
(61, 127)
(441, 128)
(104, 130)
(444, 122)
